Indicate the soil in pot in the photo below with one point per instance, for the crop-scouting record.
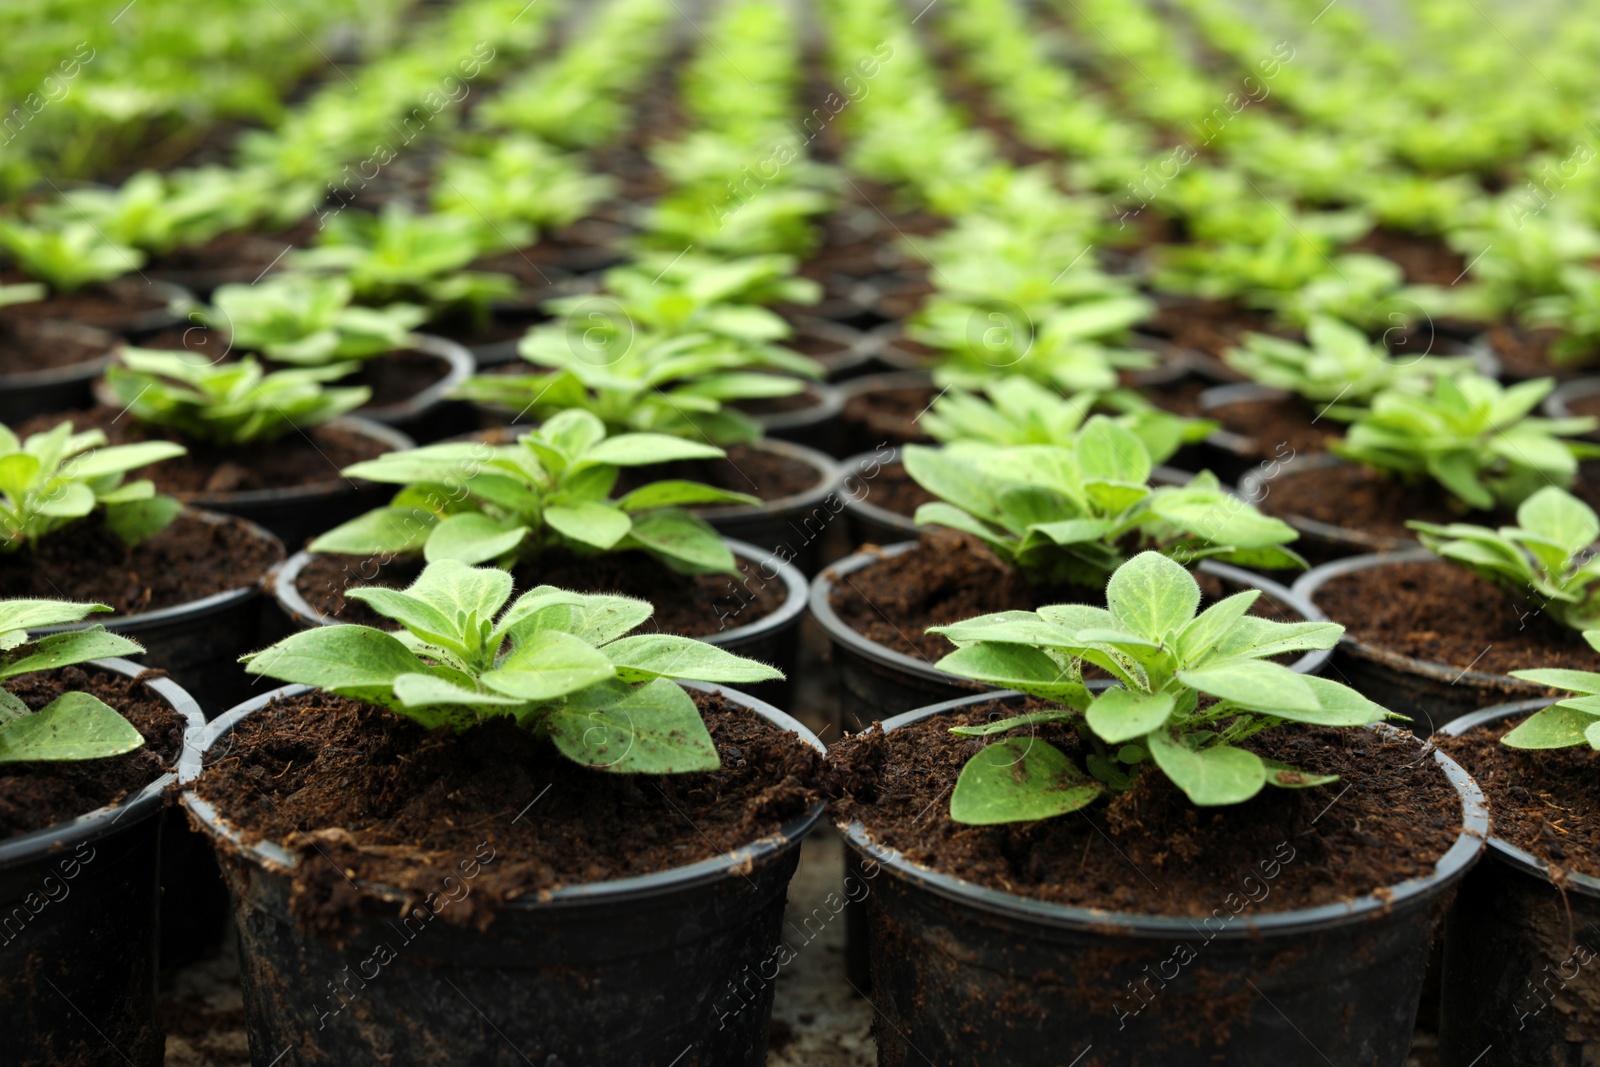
(895, 490)
(1397, 816)
(1442, 613)
(295, 460)
(1525, 353)
(1181, 397)
(1588, 404)
(886, 416)
(1425, 260)
(362, 788)
(236, 253)
(746, 469)
(34, 796)
(1278, 427)
(1209, 326)
(109, 306)
(1358, 498)
(29, 345)
(809, 397)
(190, 559)
(693, 605)
(1546, 803)
(951, 577)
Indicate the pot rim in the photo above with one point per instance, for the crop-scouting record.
(829, 475)
(838, 631)
(462, 367)
(274, 857)
(1255, 484)
(88, 370)
(860, 347)
(312, 493)
(295, 606)
(1308, 583)
(827, 406)
(99, 823)
(206, 605)
(1499, 847)
(1452, 866)
(1558, 405)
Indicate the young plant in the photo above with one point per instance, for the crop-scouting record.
(73, 726)
(232, 403)
(1573, 720)
(1166, 659)
(644, 381)
(1070, 515)
(55, 478)
(308, 320)
(68, 257)
(399, 255)
(1020, 411)
(1471, 435)
(551, 491)
(1336, 364)
(556, 662)
(1575, 311)
(1547, 555)
(522, 186)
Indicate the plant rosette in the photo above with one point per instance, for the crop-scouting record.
(267, 447)
(1523, 938)
(1429, 637)
(186, 583)
(88, 279)
(1243, 757)
(479, 689)
(88, 748)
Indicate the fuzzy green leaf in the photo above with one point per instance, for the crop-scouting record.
(1019, 779)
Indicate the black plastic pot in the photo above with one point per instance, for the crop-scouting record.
(430, 415)
(78, 951)
(199, 642)
(1431, 693)
(657, 969)
(773, 639)
(1558, 405)
(846, 351)
(22, 396)
(1521, 954)
(141, 324)
(1319, 542)
(301, 512)
(816, 425)
(789, 526)
(963, 974)
(875, 682)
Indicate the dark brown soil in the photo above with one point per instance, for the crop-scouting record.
(1211, 326)
(1426, 260)
(188, 560)
(895, 490)
(1443, 613)
(235, 253)
(1547, 803)
(1524, 353)
(1279, 427)
(825, 350)
(28, 345)
(1149, 851)
(397, 377)
(110, 306)
(1181, 397)
(887, 416)
(312, 458)
(747, 469)
(694, 605)
(36, 795)
(365, 795)
(1586, 405)
(951, 577)
(1358, 498)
